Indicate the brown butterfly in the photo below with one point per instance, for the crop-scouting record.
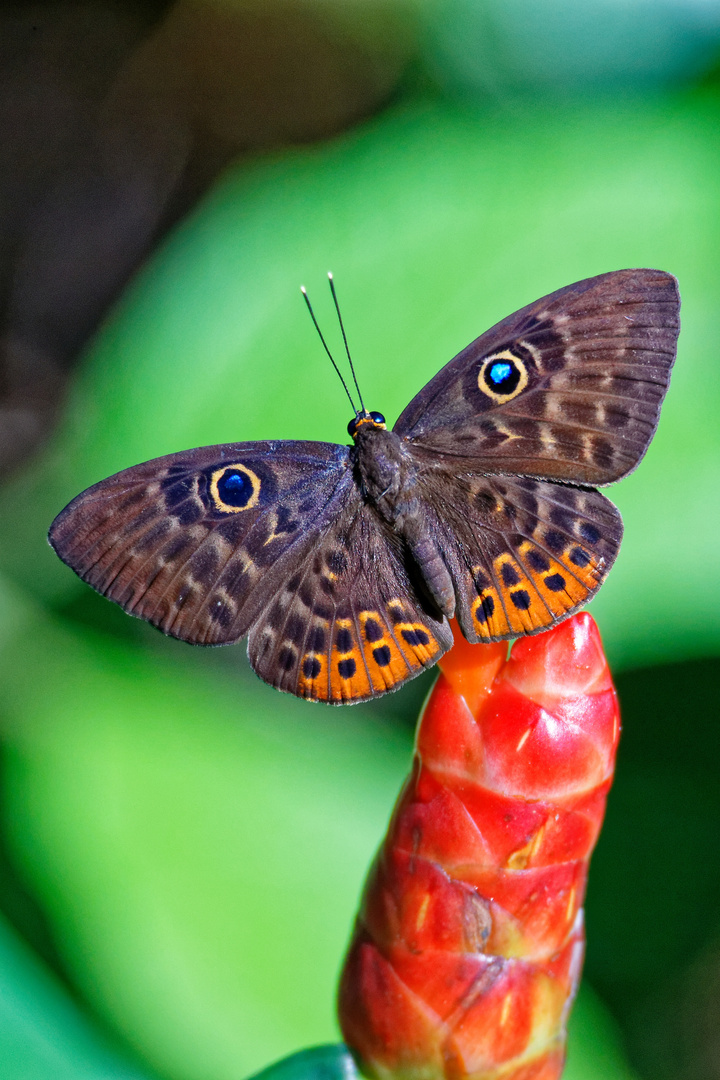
(343, 564)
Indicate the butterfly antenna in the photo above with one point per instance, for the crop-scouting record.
(332, 361)
(347, 350)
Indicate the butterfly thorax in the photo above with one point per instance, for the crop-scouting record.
(388, 478)
(387, 474)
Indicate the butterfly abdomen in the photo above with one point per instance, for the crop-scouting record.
(426, 552)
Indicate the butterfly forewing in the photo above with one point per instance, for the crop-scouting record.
(196, 542)
(351, 622)
(568, 388)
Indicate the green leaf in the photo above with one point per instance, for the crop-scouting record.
(43, 1034)
(198, 845)
(332, 1062)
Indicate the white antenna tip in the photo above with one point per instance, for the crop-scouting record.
(303, 290)
(330, 274)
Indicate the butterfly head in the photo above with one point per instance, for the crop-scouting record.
(375, 419)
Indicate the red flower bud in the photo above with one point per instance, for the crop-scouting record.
(467, 950)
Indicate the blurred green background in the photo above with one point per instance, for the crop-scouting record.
(182, 848)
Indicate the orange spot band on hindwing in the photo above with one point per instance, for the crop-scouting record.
(386, 663)
(523, 605)
(563, 582)
(313, 681)
(349, 679)
(416, 641)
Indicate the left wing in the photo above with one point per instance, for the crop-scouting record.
(196, 542)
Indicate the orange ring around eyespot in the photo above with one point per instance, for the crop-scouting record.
(506, 354)
(226, 508)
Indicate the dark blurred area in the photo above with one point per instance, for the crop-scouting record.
(653, 924)
(115, 117)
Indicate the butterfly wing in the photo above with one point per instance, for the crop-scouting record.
(270, 538)
(568, 388)
(522, 553)
(351, 622)
(197, 542)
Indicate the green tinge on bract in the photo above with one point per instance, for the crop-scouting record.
(436, 222)
(594, 1051)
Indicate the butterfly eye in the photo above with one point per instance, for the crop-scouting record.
(375, 418)
(234, 488)
(503, 376)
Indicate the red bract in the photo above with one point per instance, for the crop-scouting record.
(468, 946)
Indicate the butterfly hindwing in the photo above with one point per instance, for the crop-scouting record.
(522, 553)
(350, 622)
(196, 542)
(568, 388)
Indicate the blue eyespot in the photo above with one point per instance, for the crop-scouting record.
(503, 377)
(235, 488)
(500, 373)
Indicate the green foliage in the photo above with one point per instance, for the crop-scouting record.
(43, 1034)
(198, 845)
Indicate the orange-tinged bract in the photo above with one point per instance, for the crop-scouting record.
(468, 946)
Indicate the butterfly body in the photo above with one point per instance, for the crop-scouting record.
(342, 564)
(389, 480)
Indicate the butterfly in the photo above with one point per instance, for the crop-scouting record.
(344, 564)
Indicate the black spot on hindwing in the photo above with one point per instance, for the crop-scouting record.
(316, 639)
(311, 667)
(521, 599)
(347, 668)
(287, 658)
(555, 582)
(382, 655)
(509, 574)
